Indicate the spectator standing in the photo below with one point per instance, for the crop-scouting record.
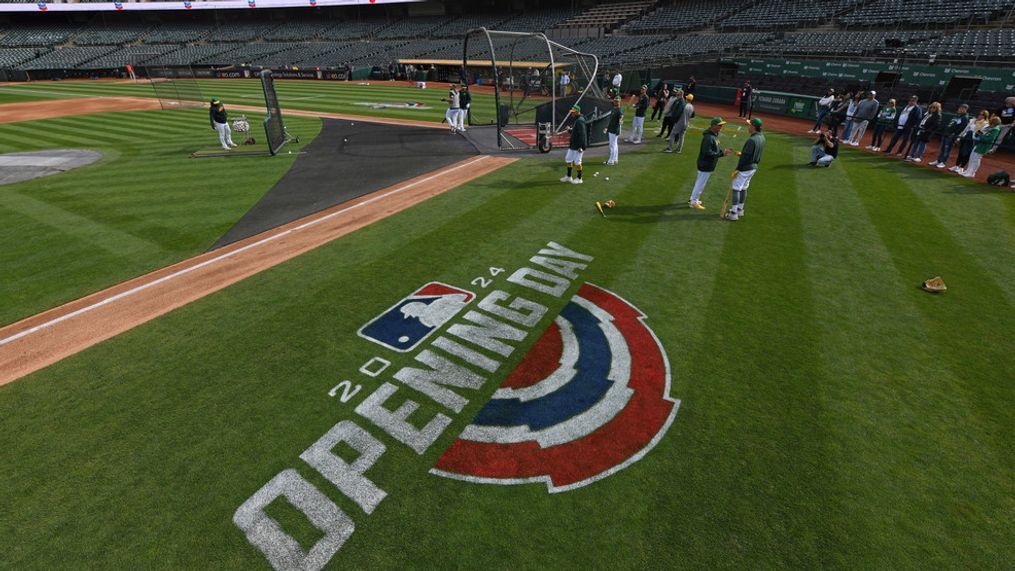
(617, 80)
(950, 134)
(1007, 115)
(676, 113)
(966, 142)
(850, 116)
(745, 98)
(905, 125)
(866, 111)
(839, 111)
(667, 126)
(929, 125)
(824, 108)
(662, 96)
(984, 144)
(565, 82)
(886, 118)
(680, 126)
(691, 86)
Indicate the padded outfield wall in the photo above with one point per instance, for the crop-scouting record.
(991, 78)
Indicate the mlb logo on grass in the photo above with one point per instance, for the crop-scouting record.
(407, 323)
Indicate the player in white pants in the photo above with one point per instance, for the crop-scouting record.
(220, 121)
(451, 115)
(464, 101)
(750, 156)
(638, 123)
(613, 130)
(708, 157)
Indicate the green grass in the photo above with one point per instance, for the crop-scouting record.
(833, 415)
(145, 205)
(326, 96)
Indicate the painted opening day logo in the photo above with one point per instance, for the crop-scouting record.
(589, 398)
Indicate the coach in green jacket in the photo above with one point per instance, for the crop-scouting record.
(708, 157)
(750, 156)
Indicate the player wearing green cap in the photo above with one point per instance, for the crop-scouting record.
(708, 158)
(750, 156)
(454, 104)
(220, 122)
(576, 147)
(613, 130)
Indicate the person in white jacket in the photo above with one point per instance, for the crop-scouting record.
(824, 108)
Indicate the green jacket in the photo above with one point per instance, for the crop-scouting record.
(616, 115)
(985, 142)
(464, 99)
(677, 109)
(887, 115)
(579, 134)
(642, 106)
(750, 156)
(710, 152)
(217, 114)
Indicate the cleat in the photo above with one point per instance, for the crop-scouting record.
(917, 160)
(577, 181)
(941, 165)
(565, 179)
(697, 206)
(732, 216)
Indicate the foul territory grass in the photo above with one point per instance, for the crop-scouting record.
(359, 98)
(145, 205)
(832, 415)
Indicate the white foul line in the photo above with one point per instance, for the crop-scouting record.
(227, 255)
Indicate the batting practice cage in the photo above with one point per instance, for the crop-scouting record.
(535, 82)
(175, 86)
(274, 127)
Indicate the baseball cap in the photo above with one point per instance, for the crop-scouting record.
(214, 99)
(716, 121)
(690, 97)
(873, 92)
(576, 108)
(756, 122)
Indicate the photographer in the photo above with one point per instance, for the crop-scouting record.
(825, 148)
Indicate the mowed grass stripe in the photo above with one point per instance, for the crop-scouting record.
(151, 199)
(886, 395)
(752, 425)
(974, 215)
(974, 304)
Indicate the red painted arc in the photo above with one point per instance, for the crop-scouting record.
(540, 362)
(612, 444)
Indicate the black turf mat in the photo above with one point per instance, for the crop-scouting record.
(347, 160)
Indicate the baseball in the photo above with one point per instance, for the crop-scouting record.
(607, 178)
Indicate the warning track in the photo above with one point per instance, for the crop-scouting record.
(41, 340)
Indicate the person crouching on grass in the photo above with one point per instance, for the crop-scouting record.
(825, 149)
(750, 156)
(708, 158)
(576, 147)
(220, 122)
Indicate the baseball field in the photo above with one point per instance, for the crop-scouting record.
(488, 373)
